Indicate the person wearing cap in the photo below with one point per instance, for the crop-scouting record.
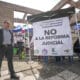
(6, 48)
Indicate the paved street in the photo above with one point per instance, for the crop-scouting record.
(40, 71)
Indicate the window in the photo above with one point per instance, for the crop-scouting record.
(66, 6)
(75, 0)
(77, 10)
(18, 15)
(27, 15)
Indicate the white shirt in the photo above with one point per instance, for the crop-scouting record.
(6, 37)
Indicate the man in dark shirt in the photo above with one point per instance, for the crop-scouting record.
(6, 48)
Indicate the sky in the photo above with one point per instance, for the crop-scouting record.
(43, 5)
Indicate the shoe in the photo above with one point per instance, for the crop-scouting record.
(14, 77)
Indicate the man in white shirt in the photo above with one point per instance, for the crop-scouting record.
(6, 48)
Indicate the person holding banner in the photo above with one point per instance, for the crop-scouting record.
(60, 58)
(76, 48)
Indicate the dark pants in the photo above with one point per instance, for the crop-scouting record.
(7, 51)
(20, 49)
(58, 58)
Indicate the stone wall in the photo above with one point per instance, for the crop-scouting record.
(6, 14)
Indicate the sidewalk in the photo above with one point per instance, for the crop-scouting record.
(40, 71)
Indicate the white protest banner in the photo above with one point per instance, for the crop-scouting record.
(52, 37)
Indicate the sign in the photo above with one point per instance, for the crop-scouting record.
(52, 37)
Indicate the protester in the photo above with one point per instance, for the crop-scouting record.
(76, 48)
(20, 47)
(6, 48)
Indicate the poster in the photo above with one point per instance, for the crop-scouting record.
(52, 37)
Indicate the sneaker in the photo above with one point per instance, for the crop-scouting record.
(14, 77)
